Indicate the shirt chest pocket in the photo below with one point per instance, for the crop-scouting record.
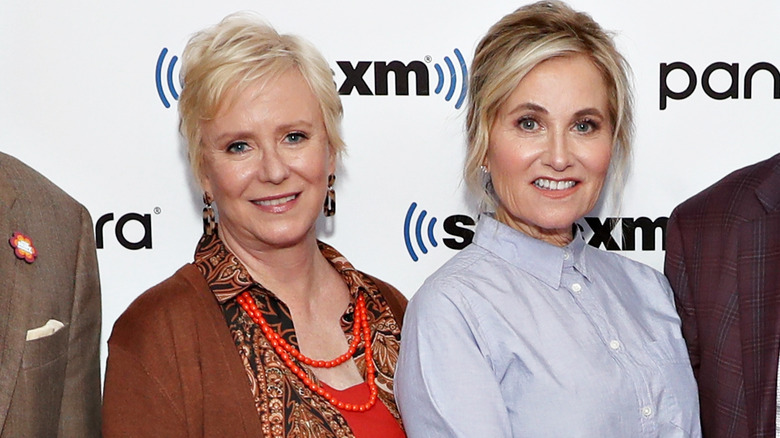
(674, 387)
(669, 351)
(669, 361)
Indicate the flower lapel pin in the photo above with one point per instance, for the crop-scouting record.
(23, 247)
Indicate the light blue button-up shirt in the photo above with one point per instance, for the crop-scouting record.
(514, 337)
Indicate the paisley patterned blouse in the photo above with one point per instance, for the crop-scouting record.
(288, 408)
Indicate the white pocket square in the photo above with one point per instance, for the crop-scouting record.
(51, 327)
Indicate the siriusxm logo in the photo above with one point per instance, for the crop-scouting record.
(602, 232)
(598, 233)
(458, 225)
(453, 79)
(158, 77)
(451, 83)
(356, 74)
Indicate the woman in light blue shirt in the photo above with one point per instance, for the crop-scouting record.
(529, 331)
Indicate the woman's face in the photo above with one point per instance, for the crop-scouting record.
(550, 147)
(266, 163)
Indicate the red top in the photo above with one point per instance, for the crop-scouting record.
(375, 422)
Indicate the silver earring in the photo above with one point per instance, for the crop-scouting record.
(487, 180)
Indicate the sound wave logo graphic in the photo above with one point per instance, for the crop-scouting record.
(158, 77)
(453, 79)
(418, 231)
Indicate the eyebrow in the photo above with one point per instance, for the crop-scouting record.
(232, 136)
(588, 112)
(529, 106)
(247, 133)
(540, 109)
(302, 123)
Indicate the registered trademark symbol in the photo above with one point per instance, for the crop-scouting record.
(157, 210)
(428, 58)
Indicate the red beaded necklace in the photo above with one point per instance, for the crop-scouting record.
(285, 350)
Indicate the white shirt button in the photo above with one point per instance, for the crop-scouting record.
(647, 411)
(576, 287)
(614, 344)
(566, 255)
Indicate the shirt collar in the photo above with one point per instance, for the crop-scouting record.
(540, 259)
(228, 277)
(223, 271)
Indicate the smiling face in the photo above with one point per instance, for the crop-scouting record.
(266, 162)
(550, 147)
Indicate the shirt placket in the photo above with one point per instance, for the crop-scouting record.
(581, 291)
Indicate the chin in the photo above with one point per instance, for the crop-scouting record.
(286, 237)
(557, 222)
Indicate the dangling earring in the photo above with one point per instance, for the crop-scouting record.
(487, 180)
(209, 222)
(330, 200)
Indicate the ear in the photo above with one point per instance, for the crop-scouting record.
(204, 180)
(331, 161)
(486, 155)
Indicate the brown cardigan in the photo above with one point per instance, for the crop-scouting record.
(173, 369)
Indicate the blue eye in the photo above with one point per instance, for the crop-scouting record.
(238, 147)
(295, 137)
(585, 126)
(527, 124)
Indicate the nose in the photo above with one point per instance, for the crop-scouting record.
(273, 166)
(559, 154)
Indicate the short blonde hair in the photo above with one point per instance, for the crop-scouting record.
(513, 47)
(235, 53)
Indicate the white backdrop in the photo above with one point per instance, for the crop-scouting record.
(79, 102)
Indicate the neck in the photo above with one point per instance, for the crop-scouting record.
(554, 236)
(290, 272)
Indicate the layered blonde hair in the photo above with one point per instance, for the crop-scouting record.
(223, 60)
(513, 47)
